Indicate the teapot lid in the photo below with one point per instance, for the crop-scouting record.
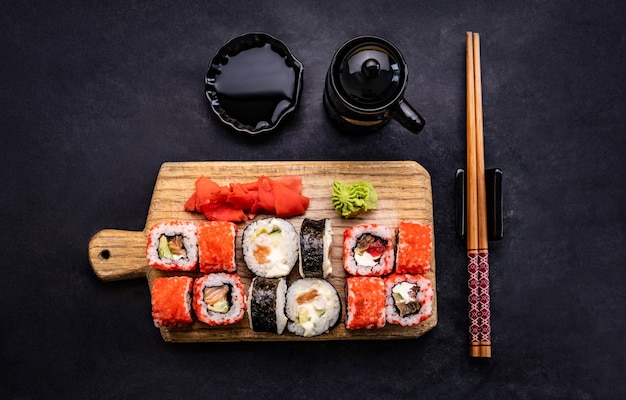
(369, 72)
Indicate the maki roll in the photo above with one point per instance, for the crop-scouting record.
(266, 304)
(216, 246)
(173, 246)
(313, 307)
(368, 250)
(409, 299)
(415, 246)
(270, 247)
(219, 299)
(366, 302)
(315, 241)
(171, 301)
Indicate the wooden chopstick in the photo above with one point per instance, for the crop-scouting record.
(483, 239)
(471, 203)
(477, 238)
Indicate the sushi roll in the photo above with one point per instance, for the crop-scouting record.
(216, 246)
(313, 307)
(219, 299)
(366, 302)
(368, 250)
(171, 301)
(270, 247)
(409, 299)
(173, 246)
(315, 241)
(414, 250)
(266, 304)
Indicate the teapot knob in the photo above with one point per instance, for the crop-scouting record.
(370, 68)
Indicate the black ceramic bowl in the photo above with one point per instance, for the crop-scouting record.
(253, 83)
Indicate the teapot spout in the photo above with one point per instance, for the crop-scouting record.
(406, 115)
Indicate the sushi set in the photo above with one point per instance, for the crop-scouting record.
(212, 281)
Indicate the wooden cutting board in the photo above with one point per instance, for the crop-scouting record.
(404, 192)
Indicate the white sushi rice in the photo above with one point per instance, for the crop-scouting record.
(188, 231)
(270, 247)
(328, 238)
(318, 314)
(281, 317)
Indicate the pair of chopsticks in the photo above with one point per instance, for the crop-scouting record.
(477, 238)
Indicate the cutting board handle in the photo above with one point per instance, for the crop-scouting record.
(118, 254)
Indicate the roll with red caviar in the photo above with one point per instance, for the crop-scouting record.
(409, 299)
(219, 299)
(366, 302)
(216, 246)
(173, 246)
(171, 301)
(415, 245)
(368, 250)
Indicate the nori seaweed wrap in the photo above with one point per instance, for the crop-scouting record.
(315, 241)
(266, 307)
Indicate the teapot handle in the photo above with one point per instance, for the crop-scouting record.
(406, 115)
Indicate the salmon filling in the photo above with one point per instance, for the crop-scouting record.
(307, 297)
(216, 298)
(371, 244)
(172, 247)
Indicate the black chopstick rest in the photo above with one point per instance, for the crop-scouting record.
(493, 191)
(493, 186)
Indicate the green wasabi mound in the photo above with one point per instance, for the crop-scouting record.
(353, 199)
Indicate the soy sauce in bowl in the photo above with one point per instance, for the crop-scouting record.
(253, 82)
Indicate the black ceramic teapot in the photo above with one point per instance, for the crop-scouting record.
(365, 86)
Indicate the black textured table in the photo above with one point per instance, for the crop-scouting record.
(96, 97)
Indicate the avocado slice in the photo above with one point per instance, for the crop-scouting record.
(164, 248)
(219, 307)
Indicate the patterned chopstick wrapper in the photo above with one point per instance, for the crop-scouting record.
(473, 285)
(484, 298)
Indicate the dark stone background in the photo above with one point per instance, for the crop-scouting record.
(95, 96)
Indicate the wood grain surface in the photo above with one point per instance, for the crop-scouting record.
(404, 192)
